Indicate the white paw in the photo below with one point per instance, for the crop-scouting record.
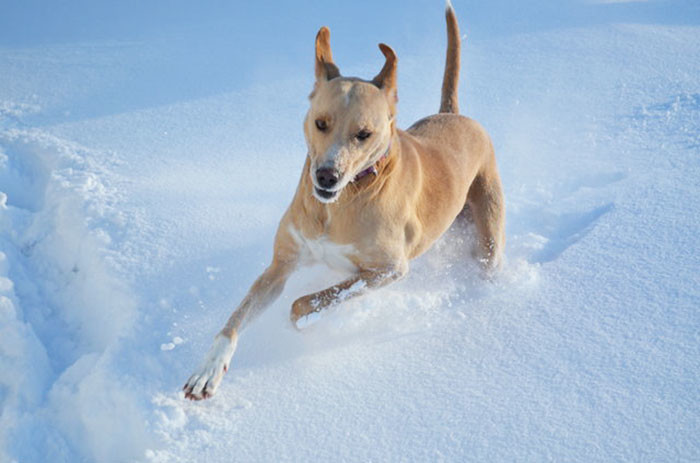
(205, 380)
(307, 320)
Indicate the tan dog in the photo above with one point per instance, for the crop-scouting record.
(371, 197)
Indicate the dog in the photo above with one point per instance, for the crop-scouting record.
(371, 197)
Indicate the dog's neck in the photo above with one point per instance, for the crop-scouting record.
(372, 169)
(380, 171)
(319, 215)
(379, 166)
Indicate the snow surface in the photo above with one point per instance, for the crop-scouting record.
(148, 150)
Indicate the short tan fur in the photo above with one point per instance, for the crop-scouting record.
(371, 226)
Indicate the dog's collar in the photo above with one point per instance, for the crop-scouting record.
(373, 168)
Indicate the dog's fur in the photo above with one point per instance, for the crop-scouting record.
(372, 224)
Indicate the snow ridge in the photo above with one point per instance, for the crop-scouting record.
(61, 310)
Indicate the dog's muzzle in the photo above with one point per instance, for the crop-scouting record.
(326, 179)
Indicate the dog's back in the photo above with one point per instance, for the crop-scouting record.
(449, 142)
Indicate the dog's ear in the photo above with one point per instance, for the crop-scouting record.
(325, 67)
(386, 79)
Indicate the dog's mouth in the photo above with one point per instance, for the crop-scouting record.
(325, 196)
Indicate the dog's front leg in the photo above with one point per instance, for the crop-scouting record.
(352, 287)
(204, 382)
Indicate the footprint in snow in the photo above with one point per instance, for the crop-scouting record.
(543, 235)
(23, 176)
(565, 230)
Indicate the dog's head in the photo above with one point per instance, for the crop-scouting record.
(350, 123)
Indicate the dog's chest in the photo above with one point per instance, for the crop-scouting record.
(321, 249)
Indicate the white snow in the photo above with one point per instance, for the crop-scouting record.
(147, 152)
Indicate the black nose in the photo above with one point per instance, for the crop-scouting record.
(327, 177)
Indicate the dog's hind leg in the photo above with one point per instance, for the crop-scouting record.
(485, 200)
(352, 287)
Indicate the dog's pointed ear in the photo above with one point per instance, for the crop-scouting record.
(386, 79)
(325, 67)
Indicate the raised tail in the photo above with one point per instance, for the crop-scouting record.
(450, 80)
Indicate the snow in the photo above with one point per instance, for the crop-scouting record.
(147, 153)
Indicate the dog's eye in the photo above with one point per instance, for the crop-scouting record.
(321, 125)
(363, 134)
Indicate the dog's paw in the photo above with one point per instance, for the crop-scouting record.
(206, 379)
(301, 308)
(306, 321)
(305, 311)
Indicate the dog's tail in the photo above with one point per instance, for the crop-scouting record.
(450, 80)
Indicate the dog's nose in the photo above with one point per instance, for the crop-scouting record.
(327, 177)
